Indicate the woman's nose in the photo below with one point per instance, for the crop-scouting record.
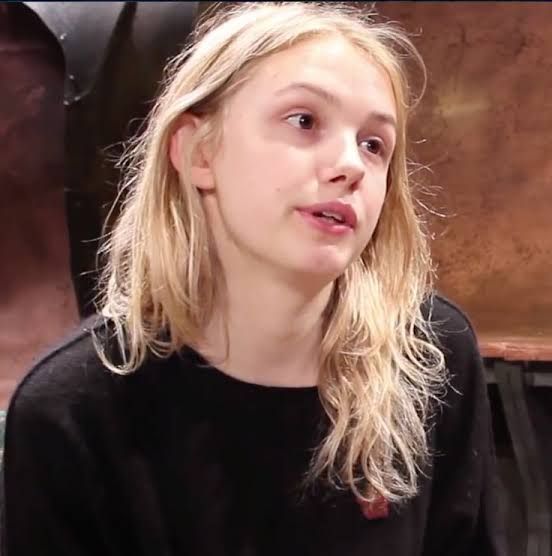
(346, 165)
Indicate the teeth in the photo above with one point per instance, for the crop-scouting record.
(333, 215)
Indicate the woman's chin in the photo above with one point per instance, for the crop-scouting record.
(323, 269)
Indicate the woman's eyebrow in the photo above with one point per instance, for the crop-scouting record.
(324, 94)
(330, 98)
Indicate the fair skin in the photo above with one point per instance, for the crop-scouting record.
(287, 146)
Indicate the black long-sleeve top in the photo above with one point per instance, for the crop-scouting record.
(180, 459)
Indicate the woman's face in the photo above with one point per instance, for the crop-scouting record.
(300, 174)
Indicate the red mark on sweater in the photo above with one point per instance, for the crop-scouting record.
(378, 509)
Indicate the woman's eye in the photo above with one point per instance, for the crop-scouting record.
(374, 146)
(302, 121)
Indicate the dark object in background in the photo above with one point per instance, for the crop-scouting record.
(114, 53)
(77, 79)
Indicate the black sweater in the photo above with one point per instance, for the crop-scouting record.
(179, 459)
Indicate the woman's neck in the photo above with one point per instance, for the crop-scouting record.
(272, 331)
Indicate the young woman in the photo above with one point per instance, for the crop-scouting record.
(271, 373)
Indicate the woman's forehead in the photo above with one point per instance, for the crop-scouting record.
(320, 51)
(339, 70)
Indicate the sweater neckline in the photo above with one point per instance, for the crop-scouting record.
(201, 363)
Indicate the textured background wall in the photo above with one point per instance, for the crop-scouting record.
(487, 124)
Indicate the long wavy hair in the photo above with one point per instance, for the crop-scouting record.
(381, 366)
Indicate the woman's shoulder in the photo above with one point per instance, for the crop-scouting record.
(453, 330)
(446, 316)
(73, 361)
(466, 396)
(67, 375)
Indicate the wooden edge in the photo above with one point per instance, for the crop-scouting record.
(516, 348)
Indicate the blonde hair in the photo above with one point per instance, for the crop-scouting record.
(381, 368)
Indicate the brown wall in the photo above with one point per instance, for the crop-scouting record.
(487, 124)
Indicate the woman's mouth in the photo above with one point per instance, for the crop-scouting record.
(334, 217)
(326, 222)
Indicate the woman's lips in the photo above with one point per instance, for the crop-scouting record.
(324, 224)
(342, 213)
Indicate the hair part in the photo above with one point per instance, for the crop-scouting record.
(381, 367)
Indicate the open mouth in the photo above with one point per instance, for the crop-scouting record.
(328, 222)
(334, 217)
(333, 213)
(330, 217)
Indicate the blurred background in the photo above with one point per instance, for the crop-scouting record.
(77, 78)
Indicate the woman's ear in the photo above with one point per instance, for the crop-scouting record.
(200, 171)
